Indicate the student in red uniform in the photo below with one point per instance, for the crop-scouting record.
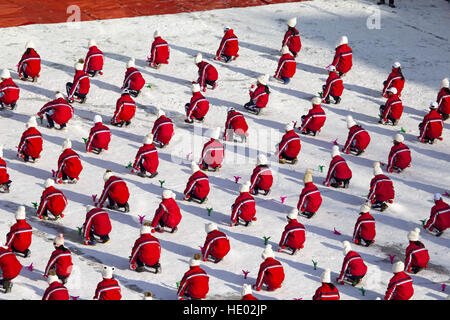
(339, 173)
(381, 189)
(235, 126)
(247, 293)
(327, 291)
(443, 99)
(146, 251)
(57, 111)
(125, 110)
(195, 282)
(243, 209)
(159, 52)
(293, 236)
(271, 272)
(358, 138)
(78, 89)
(10, 268)
(146, 159)
(133, 81)
(167, 214)
(197, 187)
(216, 245)
(439, 219)
(364, 230)
(314, 120)
(116, 191)
(395, 80)
(207, 73)
(229, 46)
(18, 239)
(343, 56)
(416, 255)
(259, 96)
(333, 87)
(310, 199)
(29, 65)
(286, 66)
(69, 165)
(163, 130)
(261, 179)
(55, 290)
(5, 182)
(431, 125)
(353, 267)
(400, 286)
(99, 136)
(30, 145)
(108, 288)
(292, 38)
(289, 146)
(399, 156)
(52, 201)
(198, 106)
(93, 63)
(9, 91)
(213, 153)
(392, 110)
(96, 226)
(60, 260)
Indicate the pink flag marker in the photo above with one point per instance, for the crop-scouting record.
(94, 196)
(188, 155)
(447, 194)
(336, 232)
(201, 248)
(443, 286)
(53, 173)
(74, 298)
(246, 272)
(30, 267)
(391, 258)
(141, 218)
(335, 142)
(282, 199)
(236, 179)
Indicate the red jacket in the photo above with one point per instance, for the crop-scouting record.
(115, 188)
(206, 71)
(97, 220)
(353, 264)
(148, 156)
(19, 236)
(30, 63)
(69, 162)
(439, 216)
(333, 86)
(338, 169)
(159, 52)
(260, 96)
(99, 137)
(393, 108)
(94, 60)
(443, 100)
(394, 80)
(108, 289)
(235, 122)
(399, 157)
(147, 249)
(216, 245)
(59, 109)
(416, 255)
(400, 287)
(381, 189)
(9, 264)
(4, 176)
(293, 235)
(81, 84)
(195, 283)
(243, 207)
(163, 130)
(327, 291)
(61, 261)
(133, 80)
(431, 126)
(168, 212)
(56, 291)
(213, 153)
(125, 109)
(286, 67)
(229, 45)
(198, 106)
(357, 138)
(197, 185)
(290, 145)
(9, 91)
(271, 273)
(52, 200)
(262, 178)
(292, 40)
(343, 58)
(310, 198)
(314, 120)
(30, 143)
(364, 228)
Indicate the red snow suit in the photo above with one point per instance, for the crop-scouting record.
(364, 228)
(159, 52)
(195, 283)
(115, 188)
(327, 291)
(30, 143)
(80, 84)
(314, 120)
(69, 163)
(394, 80)
(399, 157)
(439, 216)
(133, 80)
(52, 200)
(9, 264)
(19, 236)
(108, 289)
(198, 106)
(292, 41)
(243, 207)
(29, 64)
(168, 213)
(357, 138)
(431, 126)
(443, 100)
(229, 46)
(343, 58)
(393, 108)
(56, 291)
(286, 67)
(216, 244)
(163, 130)
(333, 86)
(293, 235)
(99, 137)
(416, 255)
(147, 249)
(59, 110)
(94, 60)
(352, 265)
(61, 261)
(9, 91)
(271, 273)
(125, 109)
(290, 145)
(310, 198)
(147, 155)
(260, 96)
(98, 221)
(338, 169)
(381, 189)
(236, 123)
(4, 176)
(261, 178)
(400, 287)
(206, 71)
(212, 153)
(197, 186)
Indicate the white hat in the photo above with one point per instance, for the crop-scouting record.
(226, 28)
(58, 95)
(216, 133)
(326, 276)
(289, 126)
(316, 100)
(167, 194)
(107, 272)
(444, 83)
(210, 227)
(245, 187)
(246, 289)
(30, 45)
(350, 122)
(398, 267)
(89, 208)
(365, 207)
(261, 160)
(392, 89)
(97, 118)
(194, 167)
(148, 295)
(292, 22)
(377, 168)
(20, 213)
(264, 79)
(268, 252)
(396, 65)
(194, 262)
(433, 105)
(308, 176)
(148, 139)
(156, 34)
(1, 150)
(5, 74)
(146, 228)
(59, 240)
(198, 58)
(31, 122)
(195, 87)
(285, 49)
(399, 138)
(437, 196)
(229, 109)
(347, 247)
(131, 63)
(49, 183)
(66, 144)
(331, 68)
(92, 43)
(413, 235)
(52, 277)
(293, 214)
(78, 66)
(160, 113)
(335, 151)
(107, 175)
(342, 40)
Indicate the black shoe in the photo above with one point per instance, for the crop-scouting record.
(266, 192)
(127, 123)
(113, 207)
(392, 5)
(126, 207)
(7, 285)
(157, 268)
(174, 229)
(13, 105)
(204, 200)
(142, 174)
(217, 260)
(383, 207)
(27, 253)
(120, 124)
(337, 100)
(140, 269)
(154, 174)
(63, 126)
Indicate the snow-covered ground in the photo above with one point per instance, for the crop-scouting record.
(416, 34)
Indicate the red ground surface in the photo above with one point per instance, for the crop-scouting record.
(23, 12)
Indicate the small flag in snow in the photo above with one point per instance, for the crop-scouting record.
(53, 173)
(391, 258)
(336, 232)
(297, 299)
(85, 140)
(315, 264)
(34, 205)
(188, 155)
(30, 267)
(245, 272)
(443, 286)
(321, 168)
(282, 199)
(236, 179)
(209, 211)
(74, 298)
(129, 166)
(80, 229)
(266, 240)
(335, 142)
(162, 182)
(94, 196)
